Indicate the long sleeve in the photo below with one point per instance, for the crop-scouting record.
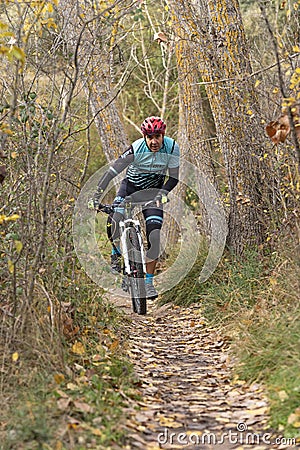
(117, 167)
(172, 180)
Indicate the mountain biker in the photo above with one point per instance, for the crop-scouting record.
(148, 161)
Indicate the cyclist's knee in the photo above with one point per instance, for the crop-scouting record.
(153, 222)
(153, 239)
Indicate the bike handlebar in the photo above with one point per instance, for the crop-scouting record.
(109, 208)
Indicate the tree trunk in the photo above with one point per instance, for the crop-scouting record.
(195, 125)
(223, 61)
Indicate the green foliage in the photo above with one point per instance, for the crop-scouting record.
(187, 291)
(233, 284)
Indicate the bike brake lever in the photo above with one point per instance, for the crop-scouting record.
(107, 209)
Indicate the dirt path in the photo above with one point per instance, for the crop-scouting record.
(189, 398)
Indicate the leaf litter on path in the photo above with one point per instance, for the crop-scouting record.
(189, 397)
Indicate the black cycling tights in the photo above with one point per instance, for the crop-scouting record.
(154, 221)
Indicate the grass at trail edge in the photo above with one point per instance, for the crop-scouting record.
(255, 300)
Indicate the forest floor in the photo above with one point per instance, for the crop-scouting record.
(189, 396)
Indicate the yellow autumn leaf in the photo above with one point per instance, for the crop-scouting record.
(58, 445)
(294, 418)
(12, 218)
(78, 348)
(19, 246)
(17, 53)
(15, 356)
(11, 266)
(97, 432)
(288, 102)
(273, 281)
(59, 378)
(49, 8)
(169, 422)
(258, 412)
(257, 83)
(114, 345)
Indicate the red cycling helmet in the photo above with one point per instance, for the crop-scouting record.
(153, 125)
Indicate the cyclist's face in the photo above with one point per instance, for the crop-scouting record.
(155, 142)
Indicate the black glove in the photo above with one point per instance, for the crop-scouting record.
(94, 202)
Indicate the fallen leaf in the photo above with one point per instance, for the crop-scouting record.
(78, 348)
(294, 418)
(19, 246)
(169, 422)
(72, 386)
(258, 411)
(115, 344)
(58, 445)
(83, 407)
(11, 266)
(15, 356)
(63, 403)
(283, 395)
(61, 393)
(59, 378)
(97, 432)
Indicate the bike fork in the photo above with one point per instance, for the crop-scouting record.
(124, 229)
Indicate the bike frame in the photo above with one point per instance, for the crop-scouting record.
(133, 270)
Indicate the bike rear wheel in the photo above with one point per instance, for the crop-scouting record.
(136, 277)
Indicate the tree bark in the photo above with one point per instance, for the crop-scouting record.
(225, 69)
(194, 116)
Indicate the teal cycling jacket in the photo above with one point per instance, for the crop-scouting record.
(147, 169)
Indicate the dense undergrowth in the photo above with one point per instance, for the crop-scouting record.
(256, 299)
(67, 390)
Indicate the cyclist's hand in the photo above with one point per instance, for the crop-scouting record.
(161, 198)
(93, 204)
(90, 204)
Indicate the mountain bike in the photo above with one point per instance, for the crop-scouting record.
(133, 254)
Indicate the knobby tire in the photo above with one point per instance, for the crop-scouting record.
(136, 279)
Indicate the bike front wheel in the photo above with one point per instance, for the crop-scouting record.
(136, 277)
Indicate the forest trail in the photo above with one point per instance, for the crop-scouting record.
(189, 397)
